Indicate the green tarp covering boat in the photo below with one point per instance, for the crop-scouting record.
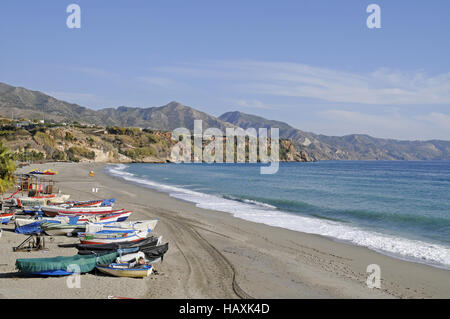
(63, 265)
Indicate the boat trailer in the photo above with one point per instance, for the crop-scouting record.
(32, 243)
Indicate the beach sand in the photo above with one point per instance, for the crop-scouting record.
(215, 255)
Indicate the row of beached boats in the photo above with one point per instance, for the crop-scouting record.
(108, 241)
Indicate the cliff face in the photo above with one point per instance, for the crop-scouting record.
(99, 144)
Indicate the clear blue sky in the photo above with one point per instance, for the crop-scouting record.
(313, 64)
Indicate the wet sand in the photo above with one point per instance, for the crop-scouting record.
(215, 255)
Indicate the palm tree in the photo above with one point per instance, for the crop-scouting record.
(7, 168)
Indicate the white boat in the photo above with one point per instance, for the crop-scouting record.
(58, 210)
(55, 229)
(140, 225)
(99, 219)
(120, 228)
(113, 238)
(19, 222)
(97, 229)
(39, 200)
(123, 270)
(60, 199)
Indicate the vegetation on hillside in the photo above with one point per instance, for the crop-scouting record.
(7, 168)
(62, 142)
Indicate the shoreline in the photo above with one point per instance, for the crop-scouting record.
(198, 205)
(213, 254)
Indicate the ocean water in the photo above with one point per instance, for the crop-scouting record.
(397, 208)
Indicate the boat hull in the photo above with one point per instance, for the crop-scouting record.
(40, 200)
(6, 218)
(102, 210)
(114, 270)
(110, 240)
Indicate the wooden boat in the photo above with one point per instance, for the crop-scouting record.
(63, 265)
(116, 216)
(64, 228)
(79, 220)
(113, 238)
(140, 225)
(5, 218)
(55, 229)
(60, 199)
(39, 200)
(19, 222)
(92, 203)
(121, 228)
(123, 270)
(142, 243)
(56, 210)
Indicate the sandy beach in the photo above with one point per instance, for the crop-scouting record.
(215, 255)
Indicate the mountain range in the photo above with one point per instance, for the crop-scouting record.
(23, 103)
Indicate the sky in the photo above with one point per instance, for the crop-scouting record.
(311, 63)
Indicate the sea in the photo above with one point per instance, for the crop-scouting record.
(399, 208)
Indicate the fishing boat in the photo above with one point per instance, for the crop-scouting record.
(123, 267)
(61, 228)
(119, 229)
(68, 205)
(39, 200)
(155, 253)
(113, 238)
(58, 229)
(147, 242)
(33, 225)
(114, 216)
(58, 210)
(92, 203)
(139, 225)
(19, 222)
(124, 270)
(63, 265)
(5, 218)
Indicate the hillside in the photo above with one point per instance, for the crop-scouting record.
(167, 117)
(349, 147)
(38, 142)
(23, 103)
